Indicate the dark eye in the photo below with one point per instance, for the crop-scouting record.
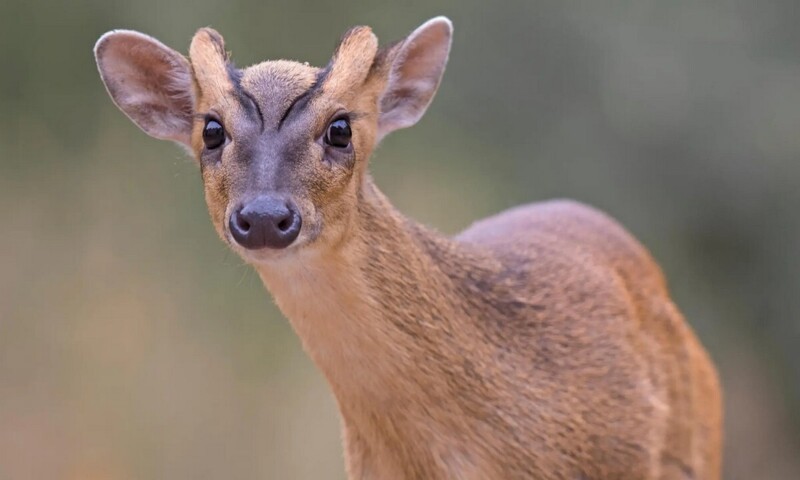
(338, 134)
(213, 134)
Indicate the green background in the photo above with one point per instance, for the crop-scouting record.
(133, 345)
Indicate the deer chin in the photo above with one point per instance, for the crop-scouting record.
(262, 256)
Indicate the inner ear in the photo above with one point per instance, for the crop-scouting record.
(149, 82)
(416, 68)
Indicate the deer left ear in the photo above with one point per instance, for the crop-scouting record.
(417, 67)
(149, 82)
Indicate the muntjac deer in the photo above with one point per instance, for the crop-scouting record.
(539, 343)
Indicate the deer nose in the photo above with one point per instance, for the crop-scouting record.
(266, 221)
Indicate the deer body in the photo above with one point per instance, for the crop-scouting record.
(538, 343)
(465, 358)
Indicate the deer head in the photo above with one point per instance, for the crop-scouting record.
(282, 146)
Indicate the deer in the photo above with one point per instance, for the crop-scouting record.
(541, 342)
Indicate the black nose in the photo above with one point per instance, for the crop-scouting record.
(266, 221)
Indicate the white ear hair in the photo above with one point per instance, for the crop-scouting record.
(415, 75)
(149, 82)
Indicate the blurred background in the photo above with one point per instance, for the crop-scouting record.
(134, 346)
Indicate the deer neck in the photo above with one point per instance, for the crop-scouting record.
(382, 304)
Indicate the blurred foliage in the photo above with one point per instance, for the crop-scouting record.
(133, 345)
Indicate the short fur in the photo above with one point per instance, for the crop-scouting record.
(538, 343)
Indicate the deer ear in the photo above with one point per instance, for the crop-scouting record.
(417, 66)
(149, 82)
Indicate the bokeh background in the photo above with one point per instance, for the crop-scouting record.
(134, 346)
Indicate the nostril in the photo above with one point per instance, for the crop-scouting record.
(242, 224)
(240, 227)
(284, 224)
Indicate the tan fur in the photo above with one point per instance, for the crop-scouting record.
(539, 343)
(351, 63)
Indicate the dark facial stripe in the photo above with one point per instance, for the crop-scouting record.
(303, 97)
(246, 99)
(252, 103)
(300, 102)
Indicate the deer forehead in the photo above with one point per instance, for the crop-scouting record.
(275, 85)
(272, 85)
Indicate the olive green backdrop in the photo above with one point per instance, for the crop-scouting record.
(134, 346)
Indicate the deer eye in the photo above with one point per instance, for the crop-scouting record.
(338, 134)
(213, 134)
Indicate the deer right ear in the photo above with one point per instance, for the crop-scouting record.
(149, 82)
(417, 66)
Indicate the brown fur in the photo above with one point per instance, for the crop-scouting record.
(538, 343)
